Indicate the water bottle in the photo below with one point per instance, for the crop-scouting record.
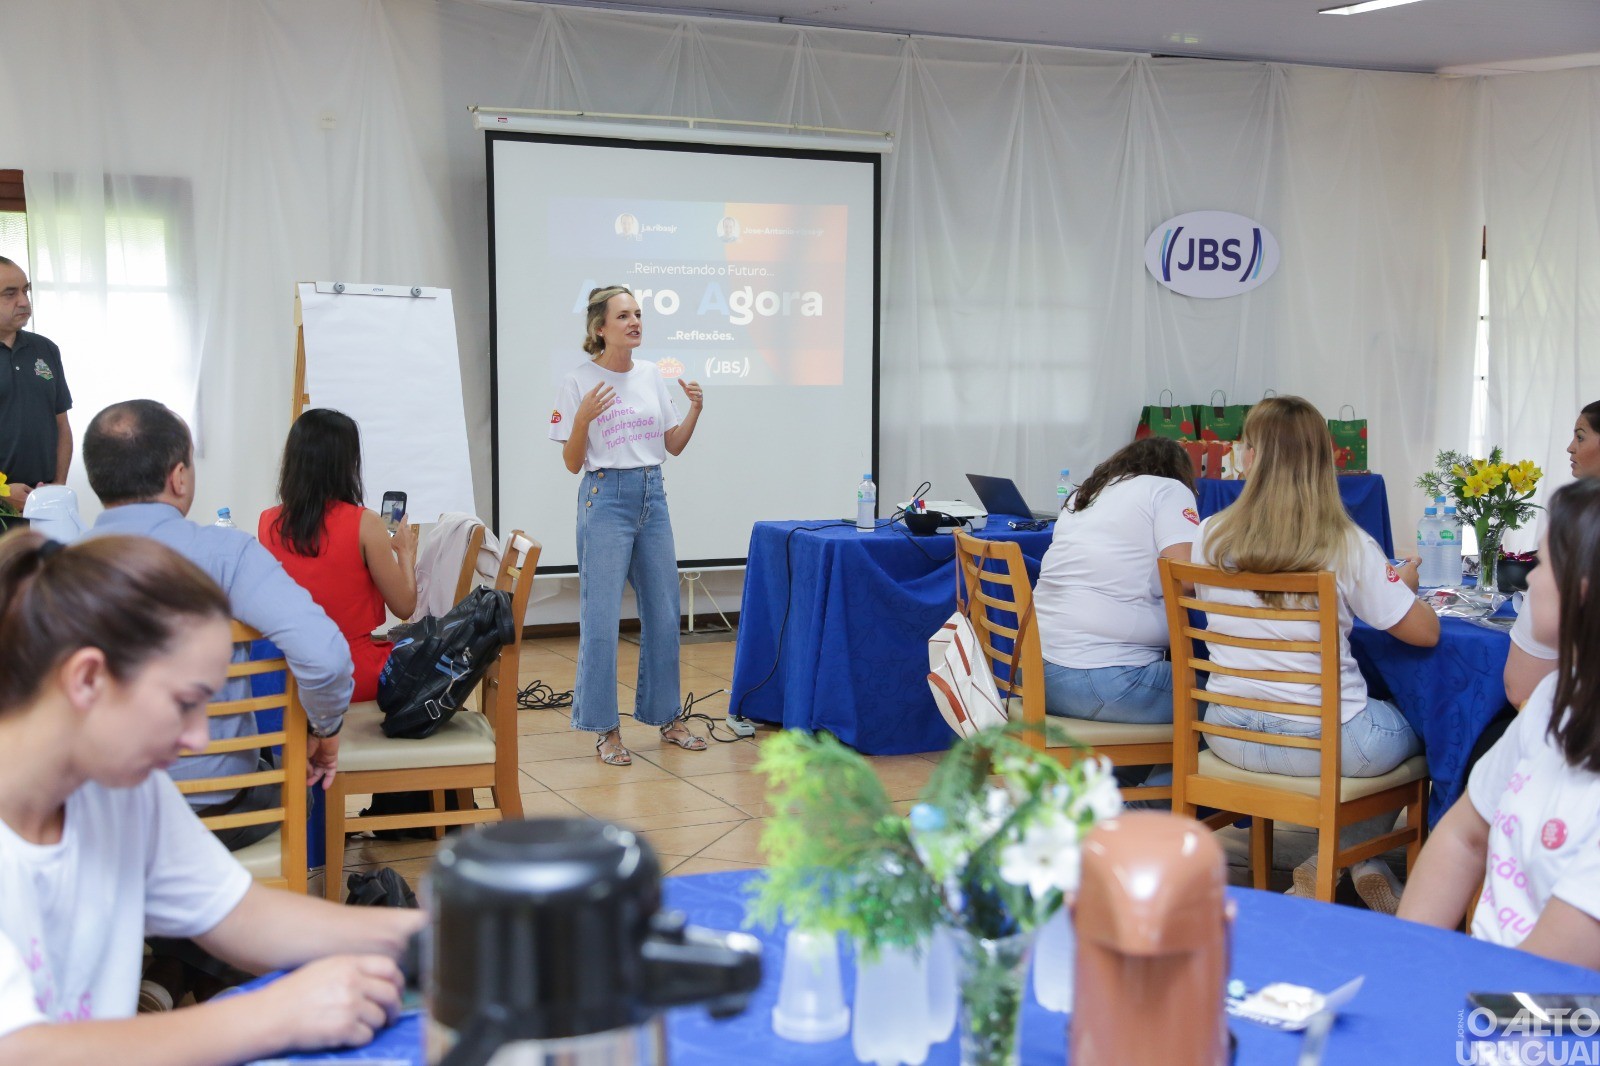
(1428, 548)
(866, 505)
(225, 518)
(1450, 546)
(1063, 489)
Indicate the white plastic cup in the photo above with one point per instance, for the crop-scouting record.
(810, 1006)
(1055, 960)
(891, 1015)
(944, 987)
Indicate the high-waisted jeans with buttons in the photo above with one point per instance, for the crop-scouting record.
(625, 535)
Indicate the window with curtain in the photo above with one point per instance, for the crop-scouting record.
(114, 285)
(13, 217)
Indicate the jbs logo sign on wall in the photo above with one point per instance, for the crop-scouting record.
(1211, 254)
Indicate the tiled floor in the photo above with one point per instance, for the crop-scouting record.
(701, 811)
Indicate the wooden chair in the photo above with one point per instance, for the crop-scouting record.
(995, 589)
(1326, 802)
(473, 750)
(469, 563)
(280, 859)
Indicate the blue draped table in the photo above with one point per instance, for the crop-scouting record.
(851, 613)
(834, 625)
(1364, 496)
(1448, 693)
(1409, 1010)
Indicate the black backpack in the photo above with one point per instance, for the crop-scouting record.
(436, 662)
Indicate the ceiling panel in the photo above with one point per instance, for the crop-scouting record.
(1429, 36)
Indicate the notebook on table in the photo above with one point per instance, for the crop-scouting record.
(1000, 495)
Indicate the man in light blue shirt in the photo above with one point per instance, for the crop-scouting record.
(140, 461)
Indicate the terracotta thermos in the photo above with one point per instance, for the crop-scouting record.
(1152, 921)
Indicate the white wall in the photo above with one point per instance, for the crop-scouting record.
(1020, 331)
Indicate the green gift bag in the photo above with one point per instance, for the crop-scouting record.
(1222, 421)
(1166, 419)
(1349, 442)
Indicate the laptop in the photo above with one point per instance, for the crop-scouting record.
(1000, 495)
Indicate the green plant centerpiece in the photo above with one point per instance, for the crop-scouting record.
(1492, 494)
(991, 851)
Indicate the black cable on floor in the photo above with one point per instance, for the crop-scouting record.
(538, 696)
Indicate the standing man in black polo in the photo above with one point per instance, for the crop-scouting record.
(35, 439)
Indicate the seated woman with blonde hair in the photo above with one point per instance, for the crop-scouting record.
(1288, 519)
(109, 652)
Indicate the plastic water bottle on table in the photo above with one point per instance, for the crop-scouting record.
(866, 505)
(1450, 545)
(1428, 548)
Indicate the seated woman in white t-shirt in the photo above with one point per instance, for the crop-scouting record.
(1529, 824)
(109, 651)
(1289, 518)
(1530, 659)
(1102, 625)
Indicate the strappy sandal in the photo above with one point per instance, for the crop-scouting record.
(684, 739)
(613, 756)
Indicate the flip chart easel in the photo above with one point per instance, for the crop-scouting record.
(386, 356)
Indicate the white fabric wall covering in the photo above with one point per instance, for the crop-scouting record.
(1542, 194)
(1020, 331)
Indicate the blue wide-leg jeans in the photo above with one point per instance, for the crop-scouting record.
(625, 535)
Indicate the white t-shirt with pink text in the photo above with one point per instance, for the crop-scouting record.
(631, 432)
(131, 863)
(1544, 827)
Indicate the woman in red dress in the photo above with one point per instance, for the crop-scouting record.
(335, 548)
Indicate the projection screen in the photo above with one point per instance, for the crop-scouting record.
(757, 272)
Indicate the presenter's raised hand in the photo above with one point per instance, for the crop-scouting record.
(594, 402)
(691, 389)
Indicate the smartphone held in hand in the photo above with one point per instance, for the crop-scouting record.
(393, 509)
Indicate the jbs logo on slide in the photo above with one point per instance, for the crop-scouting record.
(1211, 254)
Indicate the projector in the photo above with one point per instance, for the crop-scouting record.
(968, 516)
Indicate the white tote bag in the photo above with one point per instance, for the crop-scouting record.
(959, 675)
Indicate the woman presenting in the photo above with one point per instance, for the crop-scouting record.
(616, 423)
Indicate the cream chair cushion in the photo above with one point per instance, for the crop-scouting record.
(263, 860)
(1350, 788)
(465, 740)
(1093, 734)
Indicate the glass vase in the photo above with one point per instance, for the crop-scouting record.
(993, 983)
(1489, 536)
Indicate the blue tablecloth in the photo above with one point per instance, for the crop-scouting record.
(834, 625)
(851, 613)
(1408, 1011)
(1364, 497)
(1447, 693)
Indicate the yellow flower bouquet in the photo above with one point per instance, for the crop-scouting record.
(7, 508)
(1492, 494)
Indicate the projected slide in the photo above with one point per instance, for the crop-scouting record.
(756, 271)
(738, 293)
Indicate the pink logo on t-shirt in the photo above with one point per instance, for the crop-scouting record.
(1390, 574)
(1188, 512)
(1554, 833)
(555, 416)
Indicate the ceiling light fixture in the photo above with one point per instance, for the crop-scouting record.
(1364, 6)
